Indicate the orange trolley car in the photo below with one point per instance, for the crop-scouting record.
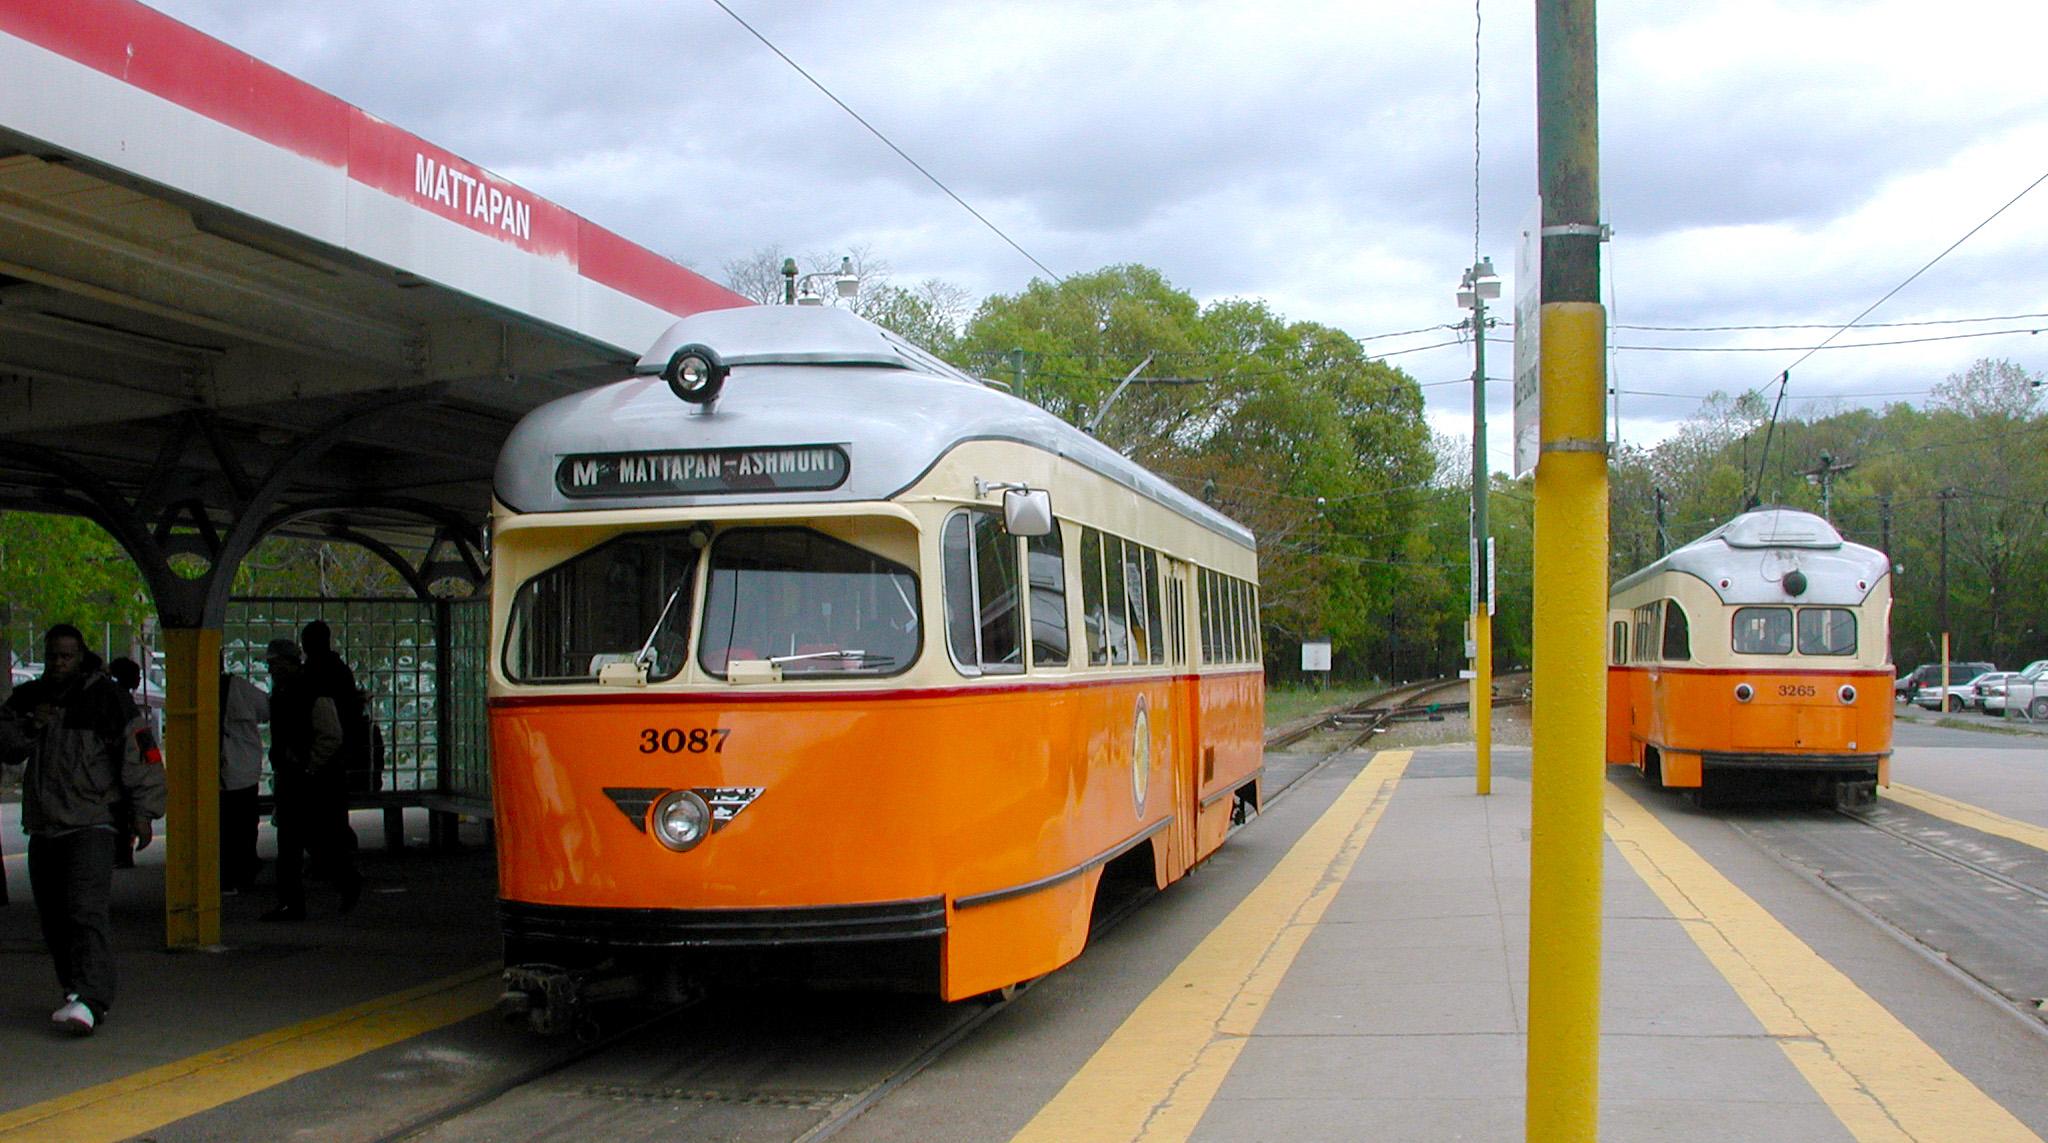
(1762, 647)
(844, 666)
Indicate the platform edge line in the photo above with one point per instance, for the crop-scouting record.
(1878, 1077)
(1155, 1076)
(204, 1081)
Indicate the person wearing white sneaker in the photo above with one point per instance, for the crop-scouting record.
(87, 748)
(74, 1017)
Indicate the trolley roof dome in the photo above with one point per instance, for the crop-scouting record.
(1747, 559)
(806, 381)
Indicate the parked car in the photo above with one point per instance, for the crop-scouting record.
(1957, 696)
(2027, 684)
(1985, 690)
(1929, 675)
(1988, 694)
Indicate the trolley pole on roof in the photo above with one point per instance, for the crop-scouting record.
(1569, 719)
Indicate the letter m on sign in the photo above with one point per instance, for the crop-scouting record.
(585, 473)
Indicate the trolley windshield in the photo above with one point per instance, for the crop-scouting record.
(625, 600)
(810, 602)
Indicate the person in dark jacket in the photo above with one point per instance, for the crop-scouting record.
(306, 768)
(87, 748)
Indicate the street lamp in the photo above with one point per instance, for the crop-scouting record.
(1480, 286)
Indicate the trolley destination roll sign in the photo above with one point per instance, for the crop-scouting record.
(698, 472)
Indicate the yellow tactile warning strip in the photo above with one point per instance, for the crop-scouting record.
(1156, 1074)
(148, 1100)
(1965, 814)
(1882, 1081)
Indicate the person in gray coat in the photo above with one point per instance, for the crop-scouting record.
(87, 748)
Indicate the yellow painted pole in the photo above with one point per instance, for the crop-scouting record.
(1569, 727)
(1482, 695)
(191, 833)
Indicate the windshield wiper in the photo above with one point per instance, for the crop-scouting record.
(867, 658)
(645, 657)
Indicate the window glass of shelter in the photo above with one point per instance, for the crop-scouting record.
(982, 599)
(1118, 633)
(1763, 631)
(1154, 607)
(1827, 631)
(1677, 632)
(1046, 565)
(794, 591)
(602, 607)
(1142, 607)
(1093, 615)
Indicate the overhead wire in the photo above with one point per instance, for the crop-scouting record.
(901, 153)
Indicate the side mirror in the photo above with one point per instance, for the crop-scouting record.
(1027, 511)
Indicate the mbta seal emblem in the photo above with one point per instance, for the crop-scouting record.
(1141, 756)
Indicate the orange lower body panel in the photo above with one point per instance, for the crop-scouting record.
(976, 816)
(1691, 721)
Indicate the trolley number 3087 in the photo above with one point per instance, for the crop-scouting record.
(676, 740)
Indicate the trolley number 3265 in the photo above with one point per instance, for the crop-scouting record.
(676, 740)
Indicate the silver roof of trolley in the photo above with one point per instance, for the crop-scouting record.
(803, 375)
(1746, 560)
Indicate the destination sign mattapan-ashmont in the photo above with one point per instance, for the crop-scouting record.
(697, 472)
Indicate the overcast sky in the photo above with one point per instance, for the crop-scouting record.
(1763, 163)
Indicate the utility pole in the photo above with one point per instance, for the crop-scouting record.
(1663, 536)
(1884, 525)
(1824, 475)
(1480, 285)
(1568, 777)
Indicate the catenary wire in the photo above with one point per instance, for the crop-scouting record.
(996, 230)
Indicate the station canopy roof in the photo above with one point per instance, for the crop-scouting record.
(209, 267)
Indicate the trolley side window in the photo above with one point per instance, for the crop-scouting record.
(1094, 617)
(626, 597)
(1619, 652)
(1763, 631)
(1046, 557)
(1677, 632)
(816, 604)
(1827, 631)
(1142, 607)
(983, 597)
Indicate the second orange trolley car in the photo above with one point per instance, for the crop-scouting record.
(1761, 648)
(845, 664)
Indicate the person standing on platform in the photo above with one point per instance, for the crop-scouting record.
(127, 674)
(332, 677)
(86, 747)
(243, 706)
(305, 761)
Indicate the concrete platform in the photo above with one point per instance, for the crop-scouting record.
(1353, 965)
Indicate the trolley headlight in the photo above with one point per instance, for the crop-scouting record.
(695, 374)
(1847, 693)
(1744, 692)
(681, 819)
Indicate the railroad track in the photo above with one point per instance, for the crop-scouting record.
(1973, 919)
(1407, 701)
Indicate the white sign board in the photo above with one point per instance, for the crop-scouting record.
(1315, 656)
(1528, 338)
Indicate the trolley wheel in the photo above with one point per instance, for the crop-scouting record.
(2038, 709)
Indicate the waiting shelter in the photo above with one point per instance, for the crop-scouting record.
(233, 306)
